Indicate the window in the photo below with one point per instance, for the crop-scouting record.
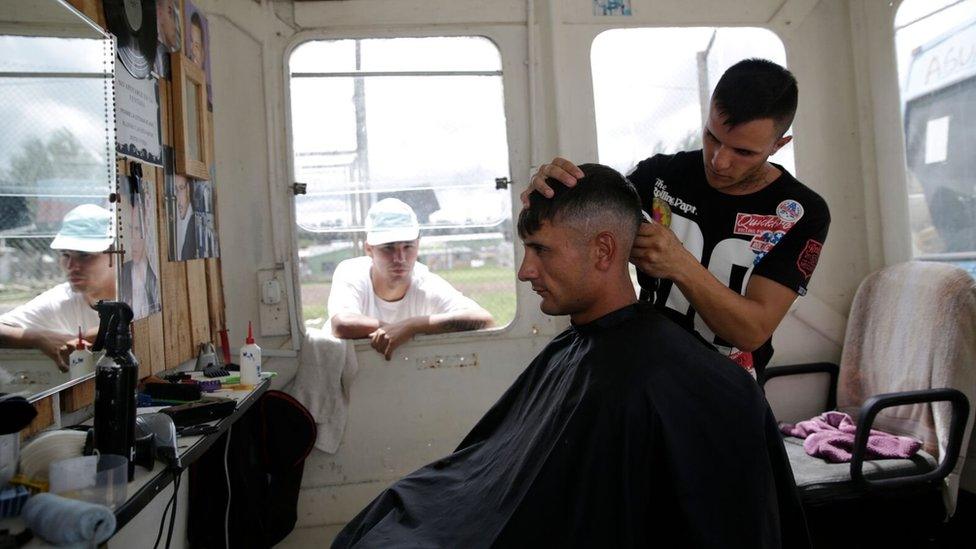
(657, 101)
(418, 119)
(936, 46)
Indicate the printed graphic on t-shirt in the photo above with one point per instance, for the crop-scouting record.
(766, 230)
(809, 257)
(661, 212)
(790, 211)
(730, 261)
(676, 203)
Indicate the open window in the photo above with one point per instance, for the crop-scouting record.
(657, 101)
(418, 119)
(936, 46)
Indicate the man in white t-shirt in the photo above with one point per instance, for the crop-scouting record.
(50, 322)
(387, 296)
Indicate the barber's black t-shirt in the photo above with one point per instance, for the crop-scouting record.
(776, 233)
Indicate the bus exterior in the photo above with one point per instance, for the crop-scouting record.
(939, 95)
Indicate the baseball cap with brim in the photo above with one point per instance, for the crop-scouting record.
(87, 228)
(391, 220)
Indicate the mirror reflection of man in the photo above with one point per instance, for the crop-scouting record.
(50, 322)
(388, 296)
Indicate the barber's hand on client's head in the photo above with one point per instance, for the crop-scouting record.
(561, 169)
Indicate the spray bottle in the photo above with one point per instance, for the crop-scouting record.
(81, 360)
(250, 360)
(116, 375)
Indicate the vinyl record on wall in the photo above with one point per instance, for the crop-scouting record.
(133, 22)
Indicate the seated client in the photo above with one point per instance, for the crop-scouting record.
(624, 431)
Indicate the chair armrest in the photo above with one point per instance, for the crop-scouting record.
(809, 368)
(876, 403)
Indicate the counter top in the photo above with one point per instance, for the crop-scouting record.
(147, 484)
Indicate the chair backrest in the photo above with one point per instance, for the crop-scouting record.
(912, 326)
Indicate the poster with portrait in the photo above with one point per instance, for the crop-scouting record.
(169, 22)
(196, 42)
(137, 126)
(191, 214)
(139, 279)
(204, 214)
(179, 210)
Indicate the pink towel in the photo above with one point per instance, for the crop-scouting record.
(830, 436)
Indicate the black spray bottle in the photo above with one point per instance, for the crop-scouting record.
(116, 375)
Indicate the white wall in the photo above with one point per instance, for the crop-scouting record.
(402, 417)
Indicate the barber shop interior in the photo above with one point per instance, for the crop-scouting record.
(349, 274)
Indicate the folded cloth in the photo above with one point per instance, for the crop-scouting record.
(830, 436)
(326, 368)
(68, 522)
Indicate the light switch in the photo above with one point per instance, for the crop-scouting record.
(271, 292)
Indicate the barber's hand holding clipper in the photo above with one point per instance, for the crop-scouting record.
(657, 252)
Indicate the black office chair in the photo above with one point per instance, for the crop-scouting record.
(908, 367)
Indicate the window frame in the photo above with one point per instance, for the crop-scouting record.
(515, 104)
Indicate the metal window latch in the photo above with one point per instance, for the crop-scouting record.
(501, 183)
(120, 251)
(299, 188)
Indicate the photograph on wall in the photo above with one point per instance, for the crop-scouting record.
(137, 132)
(139, 280)
(179, 211)
(196, 43)
(205, 219)
(190, 212)
(169, 23)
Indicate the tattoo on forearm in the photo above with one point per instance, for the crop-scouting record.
(464, 324)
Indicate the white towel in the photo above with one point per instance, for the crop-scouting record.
(326, 368)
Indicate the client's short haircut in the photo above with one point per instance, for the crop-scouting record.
(755, 89)
(602, 199)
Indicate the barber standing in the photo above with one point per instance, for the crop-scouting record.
(736, 238)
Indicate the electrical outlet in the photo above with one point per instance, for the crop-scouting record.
(273, 317)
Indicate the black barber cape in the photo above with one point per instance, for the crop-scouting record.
(624, 432)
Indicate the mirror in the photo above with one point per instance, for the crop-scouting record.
(57, 168)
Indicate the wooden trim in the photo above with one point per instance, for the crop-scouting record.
(185, 71)
(92, 9)
(78, 396)
(196, 282)
(44, 418)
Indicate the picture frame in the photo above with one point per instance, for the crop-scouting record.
(190, 116)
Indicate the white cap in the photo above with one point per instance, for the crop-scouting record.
(391, 220)
(86, 228)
